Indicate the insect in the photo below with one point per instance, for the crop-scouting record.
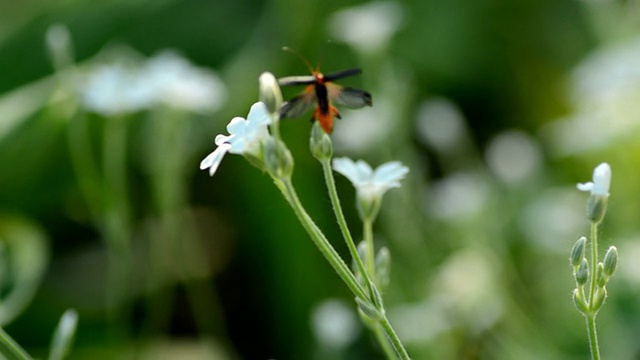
(322, 92)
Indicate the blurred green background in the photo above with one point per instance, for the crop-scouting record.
(497, 107)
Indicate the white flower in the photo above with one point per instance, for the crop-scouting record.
(180, 84)
(601, 181)
(367, 27)
(369, 183)
(245, 137)
(115, 88)
(128, 84)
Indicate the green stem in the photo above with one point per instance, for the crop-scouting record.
(367, 225)
(593, 336)
(10, 349)
(594, 262)
(337, 209)
(383, 340)
(116, 213)
(383, 330)
(393, 337)
(320, 240)
(591, 317)
(84, 162)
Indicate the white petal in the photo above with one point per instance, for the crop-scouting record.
(259, 114)
(221, 139)
(365, 172)
(391, 172)
(348, 168)
(588, 186)
(236, 125)
(213, 160)
(602, 179)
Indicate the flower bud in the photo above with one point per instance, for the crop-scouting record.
(597, 207)
(601, 278)
(383, 267)
(583, 273)
(577, 252)
(369, 310)
(579, 302)
(610, 261)
(320, 143)
(598, 299)
(278, 159)
(60, 46)
(270, 93)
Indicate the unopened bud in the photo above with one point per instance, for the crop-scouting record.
(598, 300)
(577, 252)
(369, 310)
(383, 267)
(583, 273)
(597, 207)
(601, 277)
(610, 261)
(270, 93)
(320, 143)
(278, 159)
(579, 302)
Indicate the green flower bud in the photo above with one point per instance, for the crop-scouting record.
(610, 261)
(583, 273)
(601, 277)
(277, 158)
(597, 207)
(579, 302)
(270, 93)
(598, 299)
(320, 143)
(577, 252)
(369, 310)
(383, 267)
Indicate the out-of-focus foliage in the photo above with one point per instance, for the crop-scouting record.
(498, 108)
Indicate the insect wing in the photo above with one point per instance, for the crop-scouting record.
(299, 105)
(342, 74)
(297, 80)
(349, 97)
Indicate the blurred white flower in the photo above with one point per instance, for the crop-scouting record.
(513, 156)
(467, 289)
(441, 125)
(458, 196)
(551, 217)
(245, 137)
(367, 27)
(601, 181)
(370, 183)
(179, 84)
(113, 89)
(334, 324)
(605, 93)
(128, 85)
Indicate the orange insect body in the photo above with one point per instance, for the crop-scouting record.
(320, 91)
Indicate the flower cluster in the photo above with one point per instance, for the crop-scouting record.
(127, 85)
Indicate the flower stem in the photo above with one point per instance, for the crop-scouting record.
(383, 330)
(115, 216)
(337, 209)
(591, 316)
(367, 226)
(10, 349)
(593, 336)
(393, 337)
(319, 239)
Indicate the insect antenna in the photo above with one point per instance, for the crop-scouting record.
(306, 62)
